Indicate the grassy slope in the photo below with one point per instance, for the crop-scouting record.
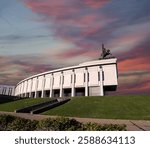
(11, 106)
(112, 107)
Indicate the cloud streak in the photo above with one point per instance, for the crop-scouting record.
(19, 68)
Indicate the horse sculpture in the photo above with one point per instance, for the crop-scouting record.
(105, 52)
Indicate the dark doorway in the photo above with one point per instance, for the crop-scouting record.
(56, 93)
(27, 95)
(39, 94)
(67, 92)
(32, 94)
(80, 91)
(46, 93)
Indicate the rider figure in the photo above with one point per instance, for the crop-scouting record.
(105, 52)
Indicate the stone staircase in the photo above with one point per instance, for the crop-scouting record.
(41, 107)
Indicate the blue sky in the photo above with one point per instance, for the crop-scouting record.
(19, 33)
(41, 35)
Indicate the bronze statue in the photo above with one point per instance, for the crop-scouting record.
(105, 52)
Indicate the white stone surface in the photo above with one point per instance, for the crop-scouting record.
(47, 81)
(34, 84)
(40, 82)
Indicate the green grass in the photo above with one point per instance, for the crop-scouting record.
(107, 107)
(11, 106)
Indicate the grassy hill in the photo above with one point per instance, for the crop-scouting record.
(11, 106)
(107, 107)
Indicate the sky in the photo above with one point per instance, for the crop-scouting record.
(42, 35)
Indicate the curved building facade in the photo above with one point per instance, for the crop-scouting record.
(92, 78)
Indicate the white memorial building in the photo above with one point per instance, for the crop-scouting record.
(93, 78)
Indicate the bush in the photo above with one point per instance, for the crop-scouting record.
(11, 123)
(91, 127)
(59, 124)
(66, 124)
(107, 127)
(20, 124)
(113, 127)
(5, 120)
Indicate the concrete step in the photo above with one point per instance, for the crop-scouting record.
(49, 106)
(28, 109)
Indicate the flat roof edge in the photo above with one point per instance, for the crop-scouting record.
(89, 63)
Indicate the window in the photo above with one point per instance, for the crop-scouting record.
(62, 79)
(74, 78)
(98, 76)
(103, 75)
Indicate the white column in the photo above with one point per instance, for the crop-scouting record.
(7, 89)
(19, 90)
(30, 88)
(86, 82)
(73, 84)
(101, 82)
(36, 86)
(26, 88)
(61, 85)
(51, 86)
(13, 91)
(43, 84)
(22, 89)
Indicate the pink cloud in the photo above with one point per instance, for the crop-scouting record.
(140, 63)
(19, 68)
(137, 88)
(52, 9)
(96, 3)
(137, 59)
(70, 19)
(78, 52)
